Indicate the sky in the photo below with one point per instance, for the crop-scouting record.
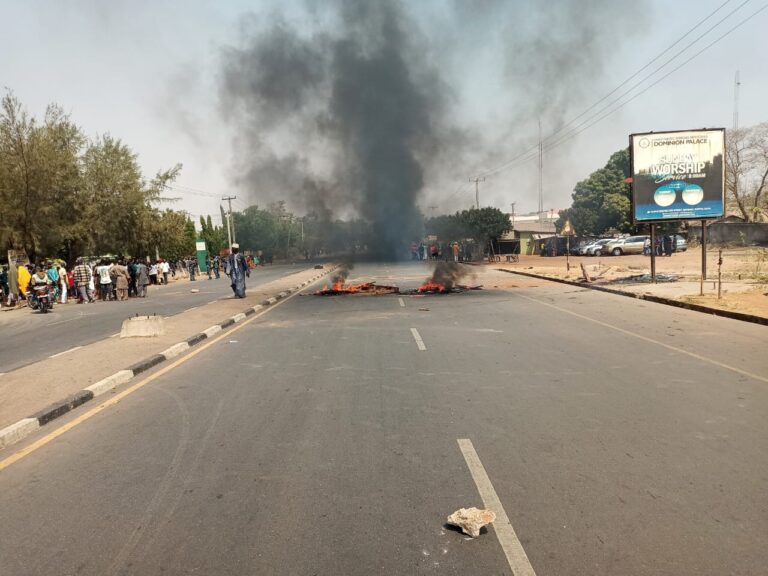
(152, 74)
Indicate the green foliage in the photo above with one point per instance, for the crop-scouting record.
(481, 225)
(602, 201)
(62, 195)
(485, 223)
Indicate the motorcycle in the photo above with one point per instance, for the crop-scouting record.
(40, 298)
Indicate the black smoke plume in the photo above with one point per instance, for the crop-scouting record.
(354, 109)
(348, 110)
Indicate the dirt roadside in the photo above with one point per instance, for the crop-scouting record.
(23, 392)
(744, 276)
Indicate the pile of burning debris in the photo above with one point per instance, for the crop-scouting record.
(443, 281)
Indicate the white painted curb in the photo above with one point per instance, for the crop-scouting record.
(15, 432)
(238, 317)
(111, 382)
(175, 350)
(215, 329)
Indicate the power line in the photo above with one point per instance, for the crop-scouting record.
(532, 152)
(659, 55)
(575, 129)
(718, 39)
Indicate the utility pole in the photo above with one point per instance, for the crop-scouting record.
(513, 213)
(230, 221)
(477, 190)
(736, 84)
(541, 175)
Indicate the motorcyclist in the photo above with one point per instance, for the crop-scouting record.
(39, 278)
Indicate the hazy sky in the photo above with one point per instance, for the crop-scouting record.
(149, 72)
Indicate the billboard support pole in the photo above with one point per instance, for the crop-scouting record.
(703, 255)
(653, 253)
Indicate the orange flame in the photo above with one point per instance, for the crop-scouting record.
(430, 286)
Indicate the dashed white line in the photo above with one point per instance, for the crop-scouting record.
(419, 342)
(513, 549)
(115, 335)
(190, 309)
(402, 302)
(65, 352)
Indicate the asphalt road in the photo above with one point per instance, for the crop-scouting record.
(622, 438)
(29, 336)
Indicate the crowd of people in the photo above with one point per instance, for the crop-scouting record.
(105, 279)
(118, 279)
(456, 251)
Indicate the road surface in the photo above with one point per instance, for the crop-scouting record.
(323, 437)
(30, 336)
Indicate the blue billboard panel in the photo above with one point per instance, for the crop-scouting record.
(678, 175)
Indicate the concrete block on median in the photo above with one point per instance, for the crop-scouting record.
(143, 327)
(15, 432)
(238, 317)
(110, 382)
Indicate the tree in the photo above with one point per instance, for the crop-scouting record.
(485, 223)
(39, 177)
(746, 171)
(602, 201)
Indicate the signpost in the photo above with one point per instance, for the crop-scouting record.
(677, 176)
(568, 231)
(202, 256)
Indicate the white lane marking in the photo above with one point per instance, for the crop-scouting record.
(65, 352)
(115, 335)
(190, 309)
(402, 302)
(417, 337)
(513, 549)
(652, 341)
(2, 373)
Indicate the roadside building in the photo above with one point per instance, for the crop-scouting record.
(530, 234)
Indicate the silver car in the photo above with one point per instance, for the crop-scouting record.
(593, 248)
(619, 246)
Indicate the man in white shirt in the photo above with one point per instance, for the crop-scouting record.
(105, 281)
(165, 268)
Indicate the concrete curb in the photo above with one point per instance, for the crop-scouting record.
(650, 298)
(26, 426)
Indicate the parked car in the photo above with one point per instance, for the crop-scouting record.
(620, 246)
(681, 244)
(594, 247)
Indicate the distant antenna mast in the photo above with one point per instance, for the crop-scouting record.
(736, 84)
(541, 174)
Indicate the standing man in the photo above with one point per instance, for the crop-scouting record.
(64, 283)
(83, 275)
(105, 281)
(216, 264)
(132, 291)
(165, 268)
(237, 269)
(142, 279)
(121, 280)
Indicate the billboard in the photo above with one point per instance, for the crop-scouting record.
(678, 175)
